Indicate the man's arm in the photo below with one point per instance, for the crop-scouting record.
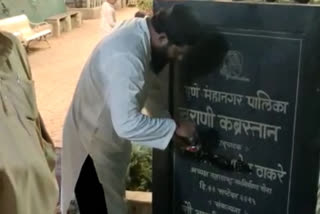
(123, 92)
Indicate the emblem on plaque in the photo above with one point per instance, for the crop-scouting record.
(232, 67)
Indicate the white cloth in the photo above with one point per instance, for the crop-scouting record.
(108, 20)
(105, 114)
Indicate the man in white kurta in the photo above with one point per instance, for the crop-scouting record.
(105, 117)
(108, 16)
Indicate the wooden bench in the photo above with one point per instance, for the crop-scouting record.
(64, 22)
(25, 30)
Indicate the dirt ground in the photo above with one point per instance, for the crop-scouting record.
(56, 69)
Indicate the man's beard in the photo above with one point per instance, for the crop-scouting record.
(159, 58)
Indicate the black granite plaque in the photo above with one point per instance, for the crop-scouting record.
(264, 102)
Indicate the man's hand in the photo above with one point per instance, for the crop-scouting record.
(184, 132)
(186, 129)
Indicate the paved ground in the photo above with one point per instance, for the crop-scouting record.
(56, 70)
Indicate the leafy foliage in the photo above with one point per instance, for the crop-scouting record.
(145, 5)
(139, 176)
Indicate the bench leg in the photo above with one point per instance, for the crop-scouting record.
(56, 31)
(78, 19)
(27, 46)
(67, 24)
(44, 38)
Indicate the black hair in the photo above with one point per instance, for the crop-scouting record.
(205, 57)
(179, 24)
(140, 14)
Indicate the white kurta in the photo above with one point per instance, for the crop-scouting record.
(105, 114)
(107, 17)
(318, 203)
